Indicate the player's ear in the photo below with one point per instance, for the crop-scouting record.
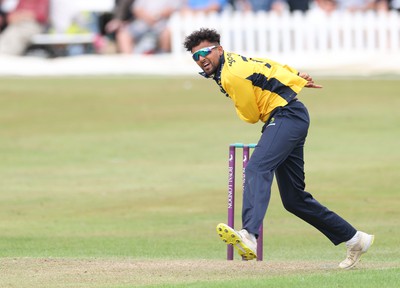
(220, 50)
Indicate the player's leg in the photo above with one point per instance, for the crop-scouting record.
(290, 178)
(275, 144)
(287, 127)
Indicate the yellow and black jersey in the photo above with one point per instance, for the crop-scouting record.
(257, 86)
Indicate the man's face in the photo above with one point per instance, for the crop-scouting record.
(208, 57)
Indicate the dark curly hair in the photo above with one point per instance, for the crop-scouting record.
(204, 34)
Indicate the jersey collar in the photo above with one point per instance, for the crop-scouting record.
(217, 75)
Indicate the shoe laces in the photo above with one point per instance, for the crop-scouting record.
(352, 251)
(351, 255)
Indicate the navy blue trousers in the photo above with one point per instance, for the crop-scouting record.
(280, 152)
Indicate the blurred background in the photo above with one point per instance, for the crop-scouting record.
(52, 37)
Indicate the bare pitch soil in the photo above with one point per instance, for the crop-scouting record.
(32, 272)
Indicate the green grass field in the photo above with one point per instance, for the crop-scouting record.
(120, 182)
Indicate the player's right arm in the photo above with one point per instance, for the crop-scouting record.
(245, 100)
(234, 77)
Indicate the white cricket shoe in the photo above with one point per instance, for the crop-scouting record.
(355, 250)
(245, 243)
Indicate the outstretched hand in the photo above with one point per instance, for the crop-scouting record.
(310, 81)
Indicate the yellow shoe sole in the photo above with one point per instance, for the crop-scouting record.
(231, 237)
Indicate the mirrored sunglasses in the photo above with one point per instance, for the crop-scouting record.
(203, 52)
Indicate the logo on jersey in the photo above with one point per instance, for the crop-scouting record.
(230, 59)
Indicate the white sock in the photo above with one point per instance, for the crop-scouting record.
(353, 240)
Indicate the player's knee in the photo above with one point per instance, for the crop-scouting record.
(290, 205)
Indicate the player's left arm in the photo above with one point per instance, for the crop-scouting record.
(310, 81)
(305, 76)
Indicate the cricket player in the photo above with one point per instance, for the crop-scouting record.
(264, 90)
